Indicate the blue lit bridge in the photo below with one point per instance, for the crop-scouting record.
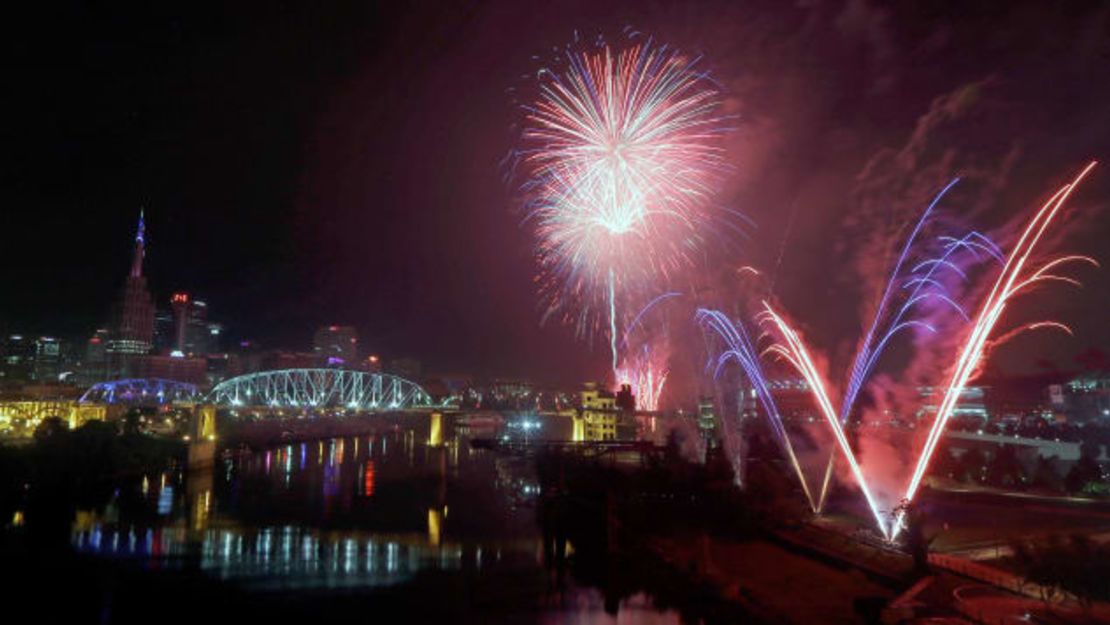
(140, 392)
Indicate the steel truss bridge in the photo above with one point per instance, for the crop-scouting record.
(321, 388)
(140, 392)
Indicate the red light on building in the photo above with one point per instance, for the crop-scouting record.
(180, 298)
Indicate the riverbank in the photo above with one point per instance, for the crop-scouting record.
(777, 584)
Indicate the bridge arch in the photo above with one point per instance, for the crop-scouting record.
(320, 388)
(140, 391)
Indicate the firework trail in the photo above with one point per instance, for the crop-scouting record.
(924, 285)
(794, 351)
(621, 153)
(1012, 280)
(739, 347)
(643, 311)
(645, 370)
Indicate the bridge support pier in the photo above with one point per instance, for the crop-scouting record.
(435, 430)
(202, 438)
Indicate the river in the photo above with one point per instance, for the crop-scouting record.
(376, 520)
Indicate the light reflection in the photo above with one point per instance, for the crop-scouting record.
(200, 519)
(368, 479)
(435, 526)
(165, 501)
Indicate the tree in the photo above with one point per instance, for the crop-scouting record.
(971, 466)
(132, 422)
(946, 465)
(1077, 566)
(1046, 476)
(1005, 470)
(51, 429)
(1083, 475)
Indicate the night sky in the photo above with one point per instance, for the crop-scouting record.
(314, 163)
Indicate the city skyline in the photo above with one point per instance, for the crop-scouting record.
(271, 194)
(649, 312)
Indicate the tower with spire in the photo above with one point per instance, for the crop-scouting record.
(132, 326)
(140, 248)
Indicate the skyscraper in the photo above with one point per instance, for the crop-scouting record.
(132, 328)
(95, 363)
(17, 358)
(193, 334)
(180, 304)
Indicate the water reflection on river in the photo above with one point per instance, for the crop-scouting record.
(368, 512)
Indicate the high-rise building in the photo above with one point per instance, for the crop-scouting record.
(1083, 399)
(163, 331)
(336, 345)
(132, 328)
(17, 358)
(180, 304)
(94, 365)
(186, 331)
(48, 359)
(626, 401)
(202, 337)
(707, 420)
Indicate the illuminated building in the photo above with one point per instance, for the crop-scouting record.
(19, 418)
(18, 358)
(707, 420)
(336, 345)
(188, 332)
(1083, 399)
(48, 359)
(24, 360)
(971, 403)
(95, 363)
(201, 335)
(163, 331)
(179, 302)
(132, 328)
(597, 417)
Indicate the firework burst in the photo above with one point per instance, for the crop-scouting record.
(621, 152)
